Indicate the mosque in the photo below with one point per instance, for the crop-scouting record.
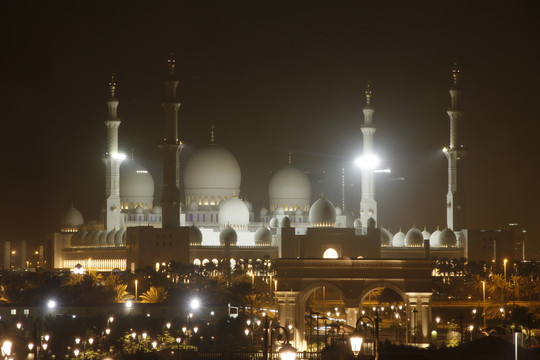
(212, 222)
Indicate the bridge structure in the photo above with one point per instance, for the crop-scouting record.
(354, 279)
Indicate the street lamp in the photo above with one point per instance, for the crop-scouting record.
(484, 302)
(504, 263)
(356, 339)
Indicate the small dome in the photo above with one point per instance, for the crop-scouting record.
(193, 206)
(139, 210)
(357, 224)
(82, 238)
(120, 237)
(279, 211)
(274, 222)
(228, 235)
(434, 238)
(235, 213)
(414, 238)
(206, 208)
(285, 222)
(298, 212)
(263, 236)
(136, 183)
(195, 235)
(425, 234)
(338, 211)
(93, 238)
(212, 167)
(399, 239)
(72, 218)
(371, 223)
(103, 238)
(248, 205)
(110, 237)
(386, 237)
(157, 210)
(447, 238)
(322, 213)
(263, 212)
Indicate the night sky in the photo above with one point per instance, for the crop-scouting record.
(274, 76)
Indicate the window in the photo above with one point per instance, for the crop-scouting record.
(26, 311)
(13, 311)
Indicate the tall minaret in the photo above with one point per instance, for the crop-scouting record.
(113, 160)
(368, 205)
(455, 154)
(171, 147)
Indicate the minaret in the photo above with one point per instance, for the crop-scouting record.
(171, 147)
(113, 160)
(455, 154)
(368, 205)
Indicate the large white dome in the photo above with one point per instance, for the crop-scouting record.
(136, 185)
(213, 167)
(289, 187)
(234, 213)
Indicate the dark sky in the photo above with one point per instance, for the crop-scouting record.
(274, 76)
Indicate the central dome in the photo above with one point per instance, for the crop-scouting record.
(136, 186)
(213, 167)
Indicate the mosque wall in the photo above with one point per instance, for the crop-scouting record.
(147, 246)
(344, 241)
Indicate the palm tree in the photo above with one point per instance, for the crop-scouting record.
(120, 295)
(154, 295)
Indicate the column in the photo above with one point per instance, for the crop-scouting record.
(352, 316)
(289, 313)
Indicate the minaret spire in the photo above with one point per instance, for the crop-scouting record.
(455, 154)
(212, 138)
(171, 147)
(290, 158)
(112, 160)
(368, 205)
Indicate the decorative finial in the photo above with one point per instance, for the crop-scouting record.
(212, 134)
(455, 73)
(112, 86)
(132, 153)
(368, 93)
(172, 64)
(290, 157)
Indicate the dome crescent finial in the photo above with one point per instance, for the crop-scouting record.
(212, 133)
(290, 157)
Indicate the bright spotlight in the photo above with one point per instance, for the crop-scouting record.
(119, 156)
(367, 162)
(6, 348)
(194, 304)
(129, 304)
(51, 304)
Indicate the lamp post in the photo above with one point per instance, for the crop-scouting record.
(357, 339)
(504, 264)
(484, 302)
(286, 352)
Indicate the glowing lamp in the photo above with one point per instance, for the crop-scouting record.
(287, 352)
(356, 340)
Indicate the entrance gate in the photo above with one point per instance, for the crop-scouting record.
(298, 278)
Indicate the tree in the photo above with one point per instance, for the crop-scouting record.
(154, 295)
(120, 293)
